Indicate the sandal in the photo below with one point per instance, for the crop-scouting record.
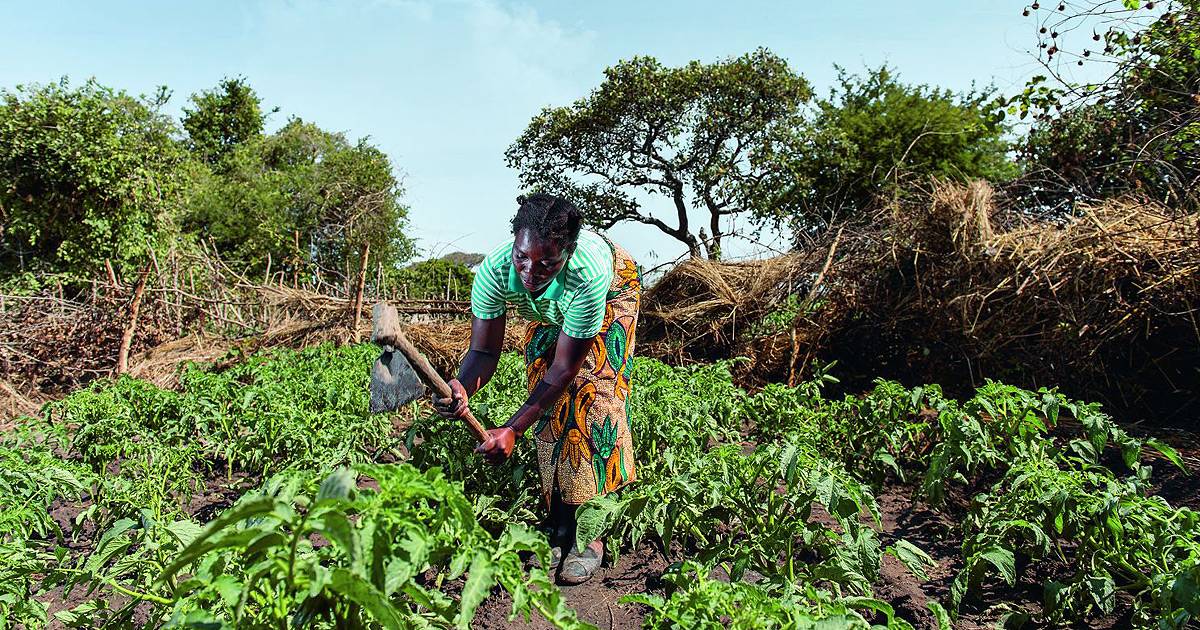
(578, 568)
(556, 553)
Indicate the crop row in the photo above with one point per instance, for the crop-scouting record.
(775, 489)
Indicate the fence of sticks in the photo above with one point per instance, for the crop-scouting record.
(950, 288)
(954, 288)
(192, 306)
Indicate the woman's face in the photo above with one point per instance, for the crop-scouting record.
(537, 260)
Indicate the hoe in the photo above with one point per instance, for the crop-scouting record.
(400, 370)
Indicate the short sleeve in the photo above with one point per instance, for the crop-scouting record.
(487, 289)
(584, 314)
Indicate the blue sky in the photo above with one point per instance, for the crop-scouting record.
(445, 86)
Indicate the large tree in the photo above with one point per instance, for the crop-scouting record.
(86, 174)
(710, 138)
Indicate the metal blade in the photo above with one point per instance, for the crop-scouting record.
(393, 382)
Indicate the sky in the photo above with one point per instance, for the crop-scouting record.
(444, 87)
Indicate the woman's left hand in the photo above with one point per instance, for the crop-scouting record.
(499, 445)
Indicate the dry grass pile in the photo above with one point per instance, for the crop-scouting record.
(954, 289)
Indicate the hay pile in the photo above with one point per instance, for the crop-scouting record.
(954, 289)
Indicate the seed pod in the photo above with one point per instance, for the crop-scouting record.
(1034, 6)
(1042, 30)
(1054, 34)
(1025, 13)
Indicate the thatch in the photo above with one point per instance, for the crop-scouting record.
(954, 288)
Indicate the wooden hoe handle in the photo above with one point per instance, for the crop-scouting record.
(387, 332)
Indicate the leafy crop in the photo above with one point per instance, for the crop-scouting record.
(385, 551)
(701, 602)
(1112, 536)
(774, 490)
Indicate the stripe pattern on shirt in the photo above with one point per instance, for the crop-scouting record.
(585, 280)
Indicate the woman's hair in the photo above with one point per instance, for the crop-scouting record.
(549, 217)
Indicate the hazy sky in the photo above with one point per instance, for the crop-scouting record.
(445, 86)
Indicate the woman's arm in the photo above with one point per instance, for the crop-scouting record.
(487, 339)
(568, 359)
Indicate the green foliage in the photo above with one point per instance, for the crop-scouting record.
(1122, 540)
(789, 517)
(302, 181)
(874, 134)
(31, 479)
(88, 174)
(433, 279)
(223, 118)
(1137, 131)
(705, 136)
(287, 409)
(876, 435)
(699, 601)
(753, 512)
(256, 564)
(1003, 424)
(502, 494)
(681, 410)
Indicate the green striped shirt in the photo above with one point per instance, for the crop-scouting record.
(574, 299)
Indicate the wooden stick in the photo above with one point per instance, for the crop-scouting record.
(127, 336)
(812, 294)
(358, 291)
(387, 333)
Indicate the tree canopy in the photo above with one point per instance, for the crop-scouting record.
(743, 138)
(86, 174)
(306, 197)
(89, 174)
(709, 137)
(221, 119)
(873, 134)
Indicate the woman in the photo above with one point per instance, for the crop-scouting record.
(580, 293)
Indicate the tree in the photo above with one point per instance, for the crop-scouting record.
(707, 137)
(1137, 131)
(222, 119)
(872, 134)
(303, 182)
(86, 174)
(433, 279)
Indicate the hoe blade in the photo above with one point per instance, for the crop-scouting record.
(393, 382)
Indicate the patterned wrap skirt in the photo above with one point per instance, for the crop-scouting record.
(584, 445)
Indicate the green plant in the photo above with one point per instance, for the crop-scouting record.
(384, 552)
(1119, 540)
(698, 601)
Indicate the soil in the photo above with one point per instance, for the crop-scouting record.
(596, 601)
(638, 571)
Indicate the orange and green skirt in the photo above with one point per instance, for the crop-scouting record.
(584, 444)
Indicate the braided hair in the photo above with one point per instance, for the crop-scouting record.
(549, 217)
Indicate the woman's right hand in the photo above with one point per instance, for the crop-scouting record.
(454, 407)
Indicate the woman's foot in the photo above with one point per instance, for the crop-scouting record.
(556, 550)
(579, 567)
